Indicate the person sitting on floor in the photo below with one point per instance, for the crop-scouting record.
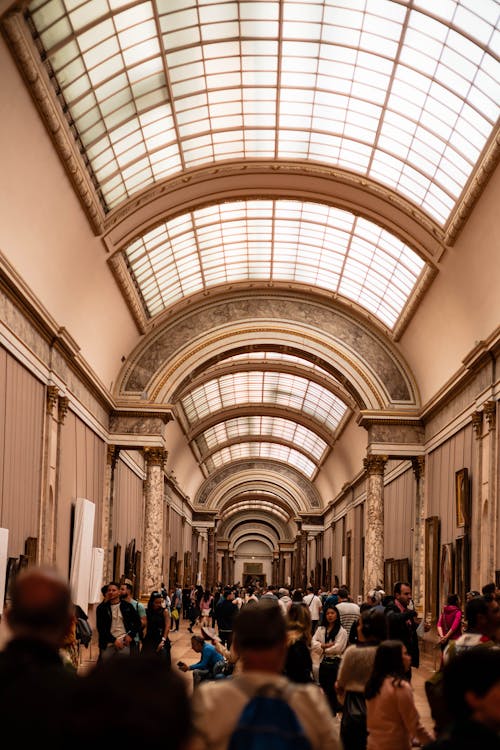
(204, 668)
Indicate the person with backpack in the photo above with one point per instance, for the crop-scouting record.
(259, 708)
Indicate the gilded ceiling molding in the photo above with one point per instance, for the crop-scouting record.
(276, 474)
(423, 284)
(28, 60)
(368, 366)
(473, 189)
(129, 290)
(259, 179)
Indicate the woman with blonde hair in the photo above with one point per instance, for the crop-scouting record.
(298, 664)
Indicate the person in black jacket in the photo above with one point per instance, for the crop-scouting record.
(225, 612)
(117, 622)
(402, 622)
(36, 688)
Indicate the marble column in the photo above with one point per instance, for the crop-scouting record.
(210, 558)
(374, 533)
(153, 522)
(490, 490)
(47, 525)
(303, 570)
(112, 453)
(275, 571)
(281, 569)
(225, 568)
(476, 541)
(418, 567)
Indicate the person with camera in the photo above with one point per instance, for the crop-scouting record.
(204, 668)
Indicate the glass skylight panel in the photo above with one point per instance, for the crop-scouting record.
(274, 451)
(344, 69)
(265, 427)
(281, 240)
(272, 388)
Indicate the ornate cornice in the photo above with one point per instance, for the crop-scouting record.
(43, 93)
(474, 188)
(375, 465)
(124, 280)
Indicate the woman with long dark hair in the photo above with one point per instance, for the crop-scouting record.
(156, 640)
(330, 641)
(392, 717)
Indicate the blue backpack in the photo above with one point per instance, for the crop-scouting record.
(267, 722)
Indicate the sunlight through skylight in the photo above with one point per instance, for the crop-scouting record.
(406, 93)
(271, 388)
(281, 240)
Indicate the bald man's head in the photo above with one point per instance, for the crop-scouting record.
(40, 605)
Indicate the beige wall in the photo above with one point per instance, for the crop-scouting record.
(46, 237)
(344, 463)
(463, 305)
(181, 461)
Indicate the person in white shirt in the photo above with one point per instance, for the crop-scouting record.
(349, 611)
(315, 606)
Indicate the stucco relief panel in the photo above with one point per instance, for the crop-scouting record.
(305, 487)
(329, 322)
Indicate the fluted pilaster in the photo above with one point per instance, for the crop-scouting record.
(418, 567)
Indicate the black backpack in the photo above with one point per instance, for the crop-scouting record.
(267, 722)
(83, 631)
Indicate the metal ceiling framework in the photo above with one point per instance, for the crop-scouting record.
(401, 94)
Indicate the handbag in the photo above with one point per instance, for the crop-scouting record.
(353, 723)
(175, 613)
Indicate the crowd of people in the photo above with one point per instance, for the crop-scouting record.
(341, 671)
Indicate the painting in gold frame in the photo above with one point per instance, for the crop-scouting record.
(462, 497)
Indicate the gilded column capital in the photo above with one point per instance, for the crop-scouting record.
(52, 396)
(490, 412)
(112, 453)
(418, 466)
(155, 456)
(375, 465)
(63, 408)
(477, 422)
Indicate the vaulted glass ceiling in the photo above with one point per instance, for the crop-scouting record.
(273, 388)
(405, 92)
(279, 240)
(263, 436)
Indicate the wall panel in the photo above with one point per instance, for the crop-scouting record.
(22, 410)
(442, 464)
(82, 465)
(128, 509)
(399, 515)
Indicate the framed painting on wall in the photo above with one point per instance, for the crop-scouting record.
(432, 567)
(462, 497)
(446, 569)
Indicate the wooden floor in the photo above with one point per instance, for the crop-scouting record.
(181, 651)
